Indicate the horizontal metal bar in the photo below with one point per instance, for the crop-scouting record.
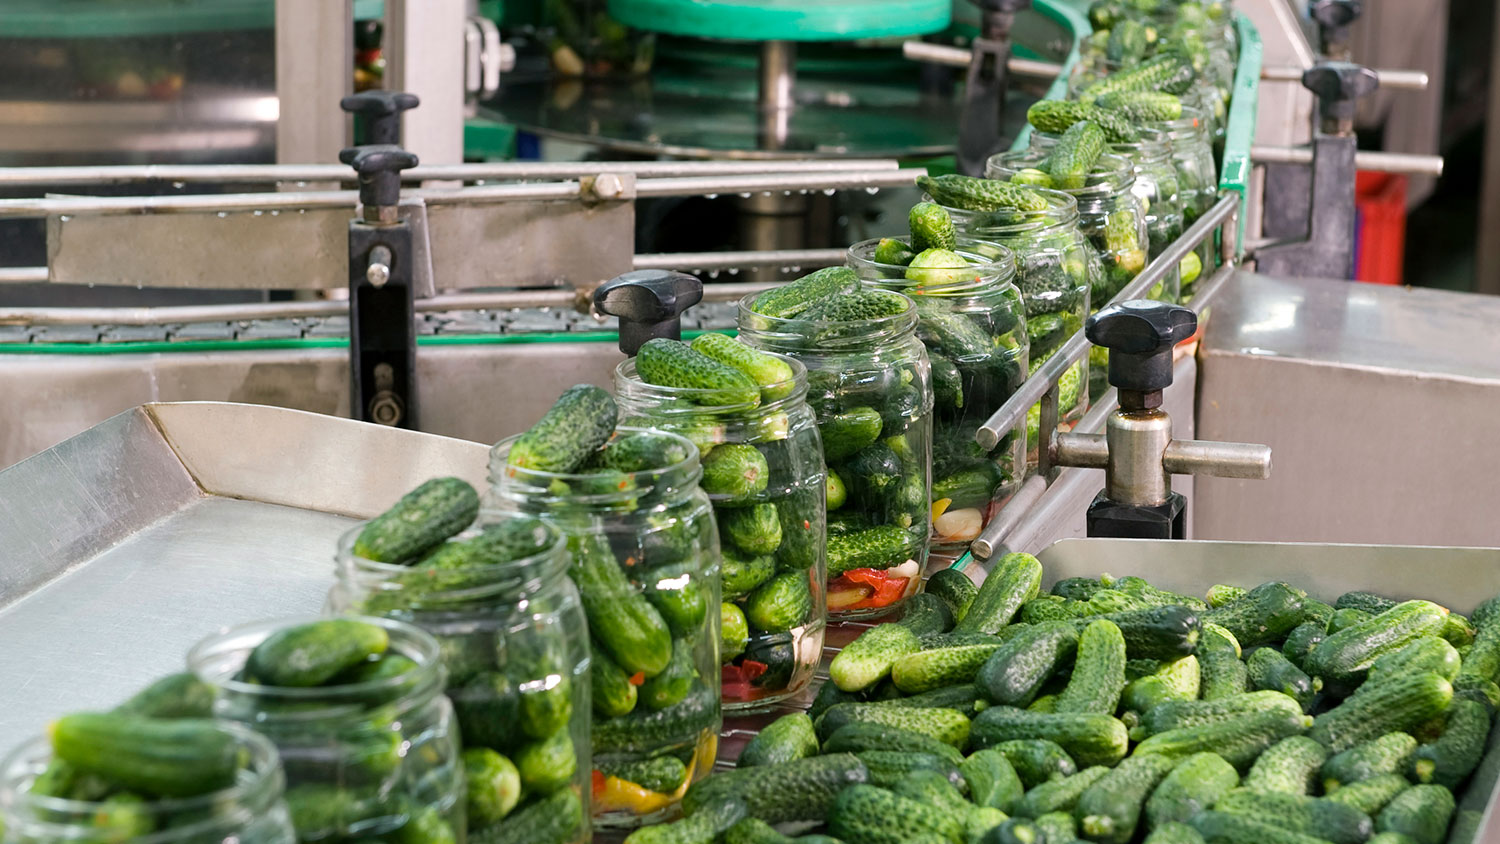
(22, 275)
(1410, 80)
(1220, 459)
(688, 261)
(1384, 162)
(827, 181)
(1009, 517)
(1031, 390)
(922, 51)
(1082, 451)
(491, 171)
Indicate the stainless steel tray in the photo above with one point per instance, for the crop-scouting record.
(128, 543)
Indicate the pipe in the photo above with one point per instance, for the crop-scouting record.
(922, 51)
(687, 261)
(1410, 80)
(1031, 390)
(707, 186)
(1384, 162)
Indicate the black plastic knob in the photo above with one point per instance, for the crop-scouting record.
(1337, 85)
(382, 113)
(649, 304)
(1140, 335)
(1333, 14)
(379, 167)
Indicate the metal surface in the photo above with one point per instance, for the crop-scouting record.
(1378, 401)
(423, 49)
(777, 78)
(1411, 80)
(1221, 460)
(314, 51)
(806, 259)
(532, 244)
(207, 124)
(161, 525)
(1077, 346)
(1384, 162)
(1136, 441)
(923, 51)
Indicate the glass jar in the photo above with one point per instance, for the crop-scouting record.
(644, 553)
(370, 759)
(772, 540)
(1208, 100)
(870, 385)
(973, 324)
(252, 811)
(1197, 179)
(514, 643)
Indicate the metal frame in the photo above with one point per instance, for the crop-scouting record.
(1042, 385)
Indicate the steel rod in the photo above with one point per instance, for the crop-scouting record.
(922, 51)
(1032, 389)
(1384, 162)
(496, 171)
(1082, 451)
(707, 186)
(1410, 80)
(1009, 517)
(1220, 459)
(22, 275)
(687, 261)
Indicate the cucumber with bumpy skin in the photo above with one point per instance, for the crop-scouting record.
(868, 659)
(662, 774)
(1142, 106)
(1223, 674)
(702, 827)
(311, 654)
(578, 423)
(931, 227)
(1327, 819)
(442, 507)
(893, 252)
(936, 668)
(1057, 116)
(1398, 705)
(946, 725)
(1109, 810)
(1371, 795)
(1301, 641)
(972, 194)
(1385, 755)
(1421, 812)
(1239, 741)
(672, 363)
(802, 790)
(1037, 760)
(182, 757)
(1098, 671)
(1075, 155)
(1289, 766)
(1425, 653)
(771, 373)
(1179, 679)
(790, 300)
(786, 739)
(1015, 672)
(1449, 760)
(993, 781)
(1224, 828)
(871, 815)
(1195, 784)
(1059, 795)
(862, 737)
(1266, 614)
(955, 589)
(1157, 632)
(1090, 738)
(1014, 580)
(889, 767)
(1174, 833)
(1269, 669)
(1176, 715)
(1345, 655)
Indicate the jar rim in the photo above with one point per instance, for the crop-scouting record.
(249, 796)
(1061, 211)
(501, 575)
(627, 379)
(1192, 120)
(1111, 175)
(995, 269)
(828, 334)
(416, 644)
(684, 473)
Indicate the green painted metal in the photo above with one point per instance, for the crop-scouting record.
(785, 20)
(1234, 173)
(488, 140)
(69, 19)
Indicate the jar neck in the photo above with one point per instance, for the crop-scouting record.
(1060, 215)
(635, 395)
(222, 814)
(992, 268)
(554, 494)
(806, 336)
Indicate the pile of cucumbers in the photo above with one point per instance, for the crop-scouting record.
(971, 326)
(871, 391)
(1111, 711)
(764, 474)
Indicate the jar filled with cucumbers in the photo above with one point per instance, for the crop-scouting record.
(514, 642)
(97, 777)
(870, 386)
(355, 707)
(1197, 178)
(643, 551)
(1055, 266)
(763, 470)
(971, 319)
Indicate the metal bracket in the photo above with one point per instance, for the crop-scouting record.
(984, 103)
(382, 328)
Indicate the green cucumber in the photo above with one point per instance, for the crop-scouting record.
(644, 729)
(1143, 590)
(993, 781)
(880, 547)
(1221, 594)
(1058, 827)
(1377, 757)
(1194, 785)
(973, 194)
(947, 380)
(1177, 715)
(1174, 833)
(892, 252)
(547, 765)
(1400, 704)
(1470, 687)
(1425, 653)
(1483, 657)
(1014, 580)
(946, 725)
(556, 819)
(1449, 760)
(861, 736)
(849, 432)
(955, 589)
(1167, 71)
(1037, 760)
(620, 618)
(868, 659)
(1143, 106)
(672, 363)
(741, 573)
(792, 299)
(874, 816)
(1051, 608)
(1289, 766)
(580, 422)
(935, 668)
(1326, 819)
(1075, 155)
(1345, 655)
(426, 516)
(1224, 828)
(1222, 673)
(860, 306)
(1371, 795)
(1015, 672)
(962, 697)
(702, 827)
(1057, 116)
(1163, 633)
(1109, 810)
(735, 473)
(771, 373)
(784, 792)
(755, 529)
(1346, 618)
(1179, 679)
(311, 654)
(678, 593)
(931, 227)
(669, 687)
(1301, 641)
(181, 757)
(781, 603)
(786, 739)
(181, 695)
(1059, 795)
(1239, 741)
(889, 767)
(1364, 601)
(640, 452)
(1269, 669)
(662, 774)
(1077, 588)
(1421, 813)
(1266, 614)
(1090, 738)
(1098, 671)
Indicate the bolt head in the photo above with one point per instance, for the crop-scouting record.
(378, 274)
(608, 186)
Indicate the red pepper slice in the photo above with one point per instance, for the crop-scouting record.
(598, 782)
(638, 678)
(888, 589)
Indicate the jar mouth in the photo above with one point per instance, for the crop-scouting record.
(478, 582)
(1061, 211)
(579, 490)
(260, 784)
(1192, 120)
(992, 265)
(816, 334)
(1111, 175)
(686, 401)
(219, 657)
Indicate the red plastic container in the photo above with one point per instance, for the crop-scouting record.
(1379, 226)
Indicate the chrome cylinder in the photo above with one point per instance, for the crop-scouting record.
(1135, 474)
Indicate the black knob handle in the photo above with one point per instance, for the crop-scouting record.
(649, 304)
(382, 113)
(1337, 85)
(1333, 13)
(1140, 335)
(379, 169)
